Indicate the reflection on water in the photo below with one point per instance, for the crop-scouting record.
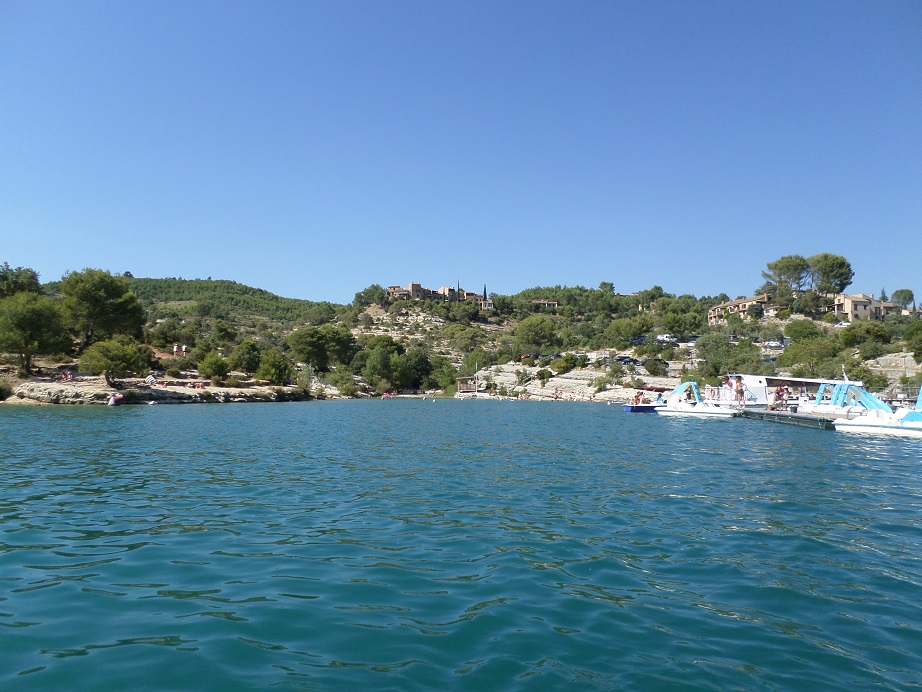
(420, 544)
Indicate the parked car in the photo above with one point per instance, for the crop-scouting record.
(626, 360)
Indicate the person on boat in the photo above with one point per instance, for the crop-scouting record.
(740, 392)
(777, 397)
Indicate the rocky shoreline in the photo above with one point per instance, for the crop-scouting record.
(576, 385)
(92, 390)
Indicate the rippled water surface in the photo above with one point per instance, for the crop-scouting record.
(470, 545)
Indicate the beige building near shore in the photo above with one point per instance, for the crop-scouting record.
(846, 308)
(858, 306)
(719, 313)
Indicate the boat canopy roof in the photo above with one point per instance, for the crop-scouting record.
(678, 394)
(778, 380)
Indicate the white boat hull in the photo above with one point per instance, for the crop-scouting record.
(880, 424)
(827, 411)
(711, 411)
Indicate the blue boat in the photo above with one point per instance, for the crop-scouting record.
(641, 404)
(642, 408)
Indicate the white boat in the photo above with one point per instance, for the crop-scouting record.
(759, 390)
(686, 400)
(845, 400)
(904, 422)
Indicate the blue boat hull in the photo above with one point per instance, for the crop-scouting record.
(641, 408)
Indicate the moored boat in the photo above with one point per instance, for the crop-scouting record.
(686, 400)
(760, 391)
(641, 404)
(843, 400)
(649, 407)
(904, 422)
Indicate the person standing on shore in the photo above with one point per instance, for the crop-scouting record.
(175, 350)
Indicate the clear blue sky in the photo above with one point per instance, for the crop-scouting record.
(315, 148)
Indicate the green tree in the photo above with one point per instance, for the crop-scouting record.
(755, 311)
(565, 363)
(18, 280)
(865, 330)
(799, 330)
(415, 368)
(829, 273)
(224, 333)
(115, 358)
(902, 297)
(275, 367)
(308, 345)
(443, 372)
(809, 354)
(373, 295)
(536, 334)
(340, 343)
(810, 303)
(213, 366)
(625, 328)
(401, 372)
(717, 356)
(101, 305)
(31, 325)
(856, 371)
(656, 367)
(343, 381)
(319, 313)
(378, 365)
(786, 274)
(166, 333)
(246, 356)
(913, 337)
(385, 341)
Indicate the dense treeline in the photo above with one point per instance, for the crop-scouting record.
(222, 299)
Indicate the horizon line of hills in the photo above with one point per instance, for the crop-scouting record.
(179, 289)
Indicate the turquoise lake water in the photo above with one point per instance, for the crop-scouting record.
(452, 545)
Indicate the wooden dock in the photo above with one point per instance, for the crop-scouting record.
(804, 420)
